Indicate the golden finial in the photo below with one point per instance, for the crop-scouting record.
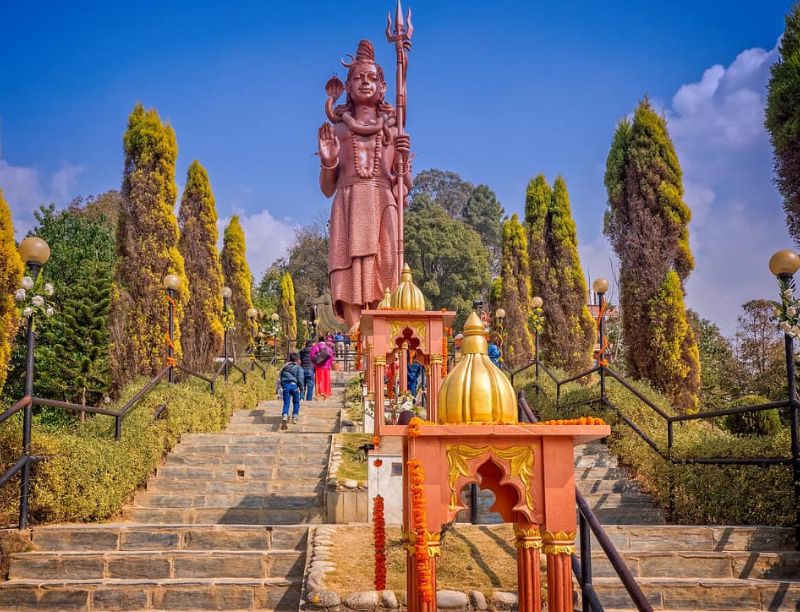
(386, 302)
(407, 296)
(476, 391)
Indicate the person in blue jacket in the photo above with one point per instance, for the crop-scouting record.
(415, 374)
(494, 352)
(291, 381)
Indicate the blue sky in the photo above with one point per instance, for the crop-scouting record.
(497, 92)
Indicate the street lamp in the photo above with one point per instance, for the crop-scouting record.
(171, 283)
(600, 286)
(252, 317)
(275, 326)
(500, 315)
(226, 295)
(784, 264)
(34, 253)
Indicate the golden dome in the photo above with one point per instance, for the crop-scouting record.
(476, 391)
(386, 302)
(407, 296)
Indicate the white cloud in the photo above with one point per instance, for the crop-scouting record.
(717, 126)
(266, 237)
(24, 190)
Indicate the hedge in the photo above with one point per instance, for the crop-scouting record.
(703, 494)
(89, 475)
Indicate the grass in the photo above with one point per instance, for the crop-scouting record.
(474, 558)
(354, 462)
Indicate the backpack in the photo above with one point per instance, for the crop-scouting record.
(322, 356)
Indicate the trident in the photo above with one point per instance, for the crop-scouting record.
(400, 35)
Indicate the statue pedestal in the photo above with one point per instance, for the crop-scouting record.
(530, 470)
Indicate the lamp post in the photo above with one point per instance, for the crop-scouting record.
(500, 315)
(600, 286)
(536, 303)
(784, 264)
(275, 319)
(252, 316)
(226, 296)
(171, 283)
(34, 252)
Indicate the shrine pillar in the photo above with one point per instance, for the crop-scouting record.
(379, 370)
(402, 368)
(528, 542)
(559, 547)
(434, 384)
(433, 548)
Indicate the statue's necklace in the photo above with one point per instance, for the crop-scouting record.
(365, 130)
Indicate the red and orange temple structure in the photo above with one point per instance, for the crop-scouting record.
(472, 435)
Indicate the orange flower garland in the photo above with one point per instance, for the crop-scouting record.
(376, 441)
(379, 538)
(586, 420)
(414, 427)
(417, 478)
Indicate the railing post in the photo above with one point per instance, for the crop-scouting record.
(670, 475)
(473, 503)
(601, 357)
(27, 418)
(586, 562)
(117, 427)
(536, 353)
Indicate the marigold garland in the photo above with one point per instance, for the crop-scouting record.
(414, 427)
(586, 420)
(420, 523)
(379, 539)
(444, 353)
(376, 441)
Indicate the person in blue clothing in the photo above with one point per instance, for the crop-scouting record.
(494, 352)
(308, 370)
(291, 381)
(415, 374)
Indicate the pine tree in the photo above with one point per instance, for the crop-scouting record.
(147, 249)
(11, 268)
(570, 330)
(202, 323)
(286, 307)
(783, 120)
(647, 225)
(238, 278)
(516, 293)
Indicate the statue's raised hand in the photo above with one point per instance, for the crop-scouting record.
(328, 145)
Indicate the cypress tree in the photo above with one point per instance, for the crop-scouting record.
(515, 292)
(11, 268)
(570, 329)
(783, 120)
(147, 249)
(238, 278)
(202, 323)
(537, 205)
(647, 225)
(483, 213)
(287, 309)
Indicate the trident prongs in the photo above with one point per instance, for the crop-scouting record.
(401, 31)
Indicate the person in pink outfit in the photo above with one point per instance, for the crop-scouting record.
(322, 356)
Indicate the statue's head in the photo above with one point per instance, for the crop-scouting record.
(365, 81)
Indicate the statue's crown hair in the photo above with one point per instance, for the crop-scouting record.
(364, 53)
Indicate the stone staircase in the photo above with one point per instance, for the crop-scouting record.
(222, 525)
(682, 567)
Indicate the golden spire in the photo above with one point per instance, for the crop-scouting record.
(407, 296)
(476, 391)
(386, 302)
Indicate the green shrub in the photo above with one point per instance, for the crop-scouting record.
(702, 494)
(89, 475)
(764, 423)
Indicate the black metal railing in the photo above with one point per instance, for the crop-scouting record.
(791, 404)
(582, 568)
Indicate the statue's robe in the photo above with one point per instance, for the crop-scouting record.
(362, 252)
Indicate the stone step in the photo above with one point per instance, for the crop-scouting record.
(592, 487)
(125, 537)
(282, 469)
(225, 516)
(703, 594)
(628, 516)
(262, 438)
(261, 486)
(627, 499)
(176, 594)
(274, 426)
(599, 473)
(584, 461)
(175, 500)
(699, 538)
(156, 565)
(693, 564)
(233, 471)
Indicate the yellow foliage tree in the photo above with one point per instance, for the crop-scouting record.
(147, 249)
(288, 313)
(11, 268)
(202, 319)
(238, 278)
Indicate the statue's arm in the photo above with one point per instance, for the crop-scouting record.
(327, 181)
